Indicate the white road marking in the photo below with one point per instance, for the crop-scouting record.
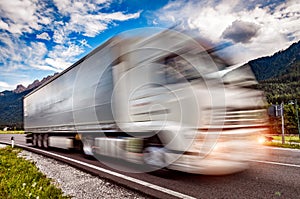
(134, 180)
(282, 149)
(277, 163)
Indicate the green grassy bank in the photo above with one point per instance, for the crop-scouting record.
(11, 132)
(20, 178)
(287, 138)
(291, 141)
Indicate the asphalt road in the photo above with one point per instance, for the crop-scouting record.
(277, 176)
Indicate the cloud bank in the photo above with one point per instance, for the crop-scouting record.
(255, 28)
(241, 32)
(38, 37)
(49, 36)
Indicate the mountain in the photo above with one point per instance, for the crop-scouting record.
(20, 88)
(280, 64)
(11, 109)
(11, 104)
(279, 74)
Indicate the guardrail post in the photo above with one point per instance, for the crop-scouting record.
(297, 117)
(12, 142)
(282, 123)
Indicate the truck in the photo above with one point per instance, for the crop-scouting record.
(161, 100)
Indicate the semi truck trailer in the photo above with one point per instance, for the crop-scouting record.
(161, 100)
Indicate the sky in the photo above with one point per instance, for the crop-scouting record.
(41, 37)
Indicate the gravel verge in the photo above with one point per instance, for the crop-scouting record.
(76, 183)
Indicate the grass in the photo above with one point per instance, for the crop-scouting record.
(20, 178)
(287, 138)
(275, 144)
(290, 141)
(11, 132)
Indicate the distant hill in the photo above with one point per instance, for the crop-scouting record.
(277, 65)
(11, 104)
(279, 74)
(11, 109)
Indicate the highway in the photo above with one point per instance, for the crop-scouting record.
(277, 176)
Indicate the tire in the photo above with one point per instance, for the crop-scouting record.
(154, 157)
(35, 139)
(40, 140)
(87, 146)
(46, 141)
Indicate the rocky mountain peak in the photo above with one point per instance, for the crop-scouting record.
(34, 84)
(20, 88)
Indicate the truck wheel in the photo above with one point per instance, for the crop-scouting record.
(87, 144)
(46, 141)
(35, 139)
(154, 156)
(40, 140)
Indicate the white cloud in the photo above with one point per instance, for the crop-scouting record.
(85, 43)
(3, 25)
(209, 19)
(63, 5)
(119, 16)
(92, 25)
(88, 25)
(43, 35)
(24, 80)
(67, 7)
(65, 23)
(67, 51)
(241, 31)
(46, 67)
(22, 16)
(276, 25)
(39, 49)
(86, 17)
(4, 86)
(58, 63)
(59, 36)
(17, 55)
(11, 52)
(63, 56)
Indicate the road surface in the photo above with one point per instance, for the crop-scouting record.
(277, 176)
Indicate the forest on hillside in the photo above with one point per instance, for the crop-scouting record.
(11, 110)
(279, 78)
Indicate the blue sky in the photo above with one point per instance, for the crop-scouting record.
(41, 37)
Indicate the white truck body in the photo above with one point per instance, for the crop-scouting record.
(160, 100)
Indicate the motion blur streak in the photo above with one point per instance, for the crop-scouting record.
(158, 98)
